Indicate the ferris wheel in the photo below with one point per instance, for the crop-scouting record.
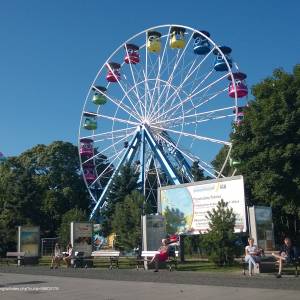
(165, 99)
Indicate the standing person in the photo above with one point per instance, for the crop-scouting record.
(252, 255)
(287, 254)
(162, 255)
(69, 256)
(57, 256)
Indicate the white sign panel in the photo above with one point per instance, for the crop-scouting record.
(185, 206)
(81, 237)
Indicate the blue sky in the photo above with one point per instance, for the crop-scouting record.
(50, 52)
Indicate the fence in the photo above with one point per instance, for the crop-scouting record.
(47, 246)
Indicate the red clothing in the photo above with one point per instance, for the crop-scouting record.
(163, 256)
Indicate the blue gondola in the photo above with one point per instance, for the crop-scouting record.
(220, 64)
(201, 44)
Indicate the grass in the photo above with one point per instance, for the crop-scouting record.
(190, 264)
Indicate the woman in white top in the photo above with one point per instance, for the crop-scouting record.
(69, 256)
(57, 256)
(252, 255)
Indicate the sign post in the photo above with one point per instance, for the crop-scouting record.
(81, 237)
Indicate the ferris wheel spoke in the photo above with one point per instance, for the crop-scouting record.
(134, 81)
(107, 133)
(108, 148)
(204, 101)
(114, 157)
(185, 154)
(124, 91)
(198, 137)
(177, 63)
(203, 120)
(195, 115)
(159, 66)
(191, 96)
(189, 74)
(123, 106)
(112, 118)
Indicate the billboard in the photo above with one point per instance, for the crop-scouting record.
(99, 241)
(185, 206)
(29, 240)
(81, 237)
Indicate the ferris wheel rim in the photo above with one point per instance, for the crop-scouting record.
(229, 74)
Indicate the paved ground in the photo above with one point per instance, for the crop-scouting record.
(72, 284)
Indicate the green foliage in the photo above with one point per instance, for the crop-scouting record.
(73, 215)
(122, 186)
(219, 161)
(220, 240)
(197, 172)
(174, 220)
(268, 146)
(38, 187)
(193, 244)
(126, 221)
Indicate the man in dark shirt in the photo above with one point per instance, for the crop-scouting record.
(287, 254)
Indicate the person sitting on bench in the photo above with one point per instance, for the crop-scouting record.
(69, 256)
(57, 257)
(252, 255)
(162, 255)
(287, 254)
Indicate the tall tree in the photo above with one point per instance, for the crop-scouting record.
(268, 147)
(72, 215)
(197, 172)
(123, 184)
(38, 187)
(126, 221)
(220, 238)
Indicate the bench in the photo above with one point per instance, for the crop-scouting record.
(113, 256)
(80, 261)
(294, 264)
(15, 256)
(269, 263)
(142, 259)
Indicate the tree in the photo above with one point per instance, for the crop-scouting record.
(174, 220)
(122, 185)
(219, 161)
(126, 221)
(38, 187)
(197, 172)
(268, 146)
(73, 215)
(219, 241)
(19, 202)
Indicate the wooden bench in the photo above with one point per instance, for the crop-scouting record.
(269, 263)
(15, 256)
(142, 260)
(113, 256)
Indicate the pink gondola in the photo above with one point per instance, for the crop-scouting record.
(86, 147)
(113, 73)
(89, 173)
(132, 54)
(240, 83)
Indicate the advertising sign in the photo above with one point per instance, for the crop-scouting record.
(29, 240)
(81, 237)
(101, 242)
(154, 230)
(185, 206)
(261, 226)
